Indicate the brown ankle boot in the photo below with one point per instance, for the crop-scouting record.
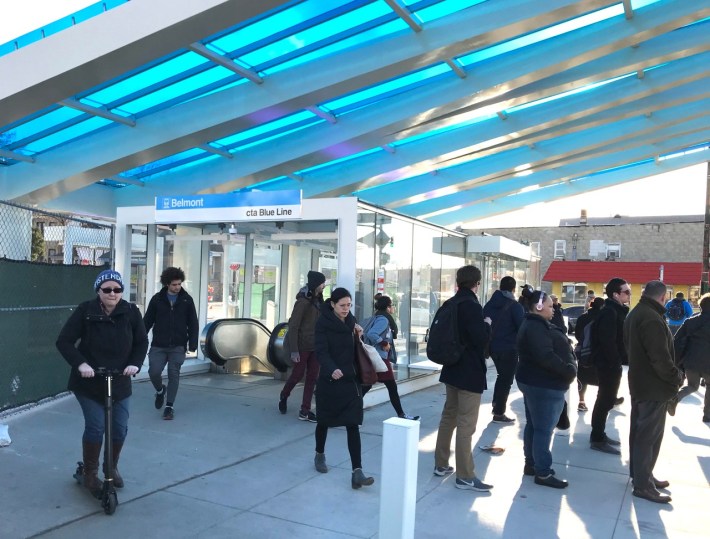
(92, 453)
(117, 479)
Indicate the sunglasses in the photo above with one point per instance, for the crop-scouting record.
(627, 292)
(108, 290)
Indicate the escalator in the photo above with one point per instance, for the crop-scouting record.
(245, 346)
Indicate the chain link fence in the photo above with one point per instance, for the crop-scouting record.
(48, 263)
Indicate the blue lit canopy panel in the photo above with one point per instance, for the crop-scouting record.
(447, 110)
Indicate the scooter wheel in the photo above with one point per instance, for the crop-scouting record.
(110, 503)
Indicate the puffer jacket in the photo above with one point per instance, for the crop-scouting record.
(692, 343)
(545, 353)
(112, 341)
(339, 402)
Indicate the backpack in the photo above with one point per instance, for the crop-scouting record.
(443, 345)
(585, 349)
(676, 311)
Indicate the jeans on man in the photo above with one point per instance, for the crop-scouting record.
(543, 407)
(609, 380)
(95, 420)
(460, 413)
(648, 421)
(309, 366)
(158, 357)
(506, 363)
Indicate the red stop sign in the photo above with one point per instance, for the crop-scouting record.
(234, 267)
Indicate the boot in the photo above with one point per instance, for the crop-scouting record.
(92, 453)
(319, 461)
(117, 479)
(359, 479)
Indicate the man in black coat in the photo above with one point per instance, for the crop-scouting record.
(172, 316)
(507, 316)
(608, 355)
(465, 381)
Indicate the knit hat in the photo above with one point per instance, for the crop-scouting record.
(107, 275)
(315, 279)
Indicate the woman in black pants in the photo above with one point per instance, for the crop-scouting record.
(338, 390)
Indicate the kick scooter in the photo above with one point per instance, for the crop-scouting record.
(108, 497)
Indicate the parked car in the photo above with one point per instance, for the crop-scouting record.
(570, 314)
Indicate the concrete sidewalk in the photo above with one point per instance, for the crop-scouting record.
(231, 466)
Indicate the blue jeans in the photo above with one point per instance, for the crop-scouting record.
(94, 419)
(543, 407)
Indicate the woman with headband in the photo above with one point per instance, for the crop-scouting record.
(547, 368)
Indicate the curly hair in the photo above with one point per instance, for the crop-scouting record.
(171, 274)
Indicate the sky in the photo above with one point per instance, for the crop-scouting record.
(674, 193)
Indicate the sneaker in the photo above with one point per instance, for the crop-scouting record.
(441, 471)
(582, 407)
(307, 416)
(502, 418)
(551, 481)
(160, 398)
(282, 405)
(168, 413)
(618, 401)
(472, 484)
(410, 417)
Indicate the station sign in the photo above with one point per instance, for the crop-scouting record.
(240, 206)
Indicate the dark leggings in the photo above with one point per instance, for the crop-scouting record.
(353, 442)
(391, 386)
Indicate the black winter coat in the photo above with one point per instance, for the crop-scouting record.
(507, 315)
(469, 373)
(173, 325)
(338, 402)
(557, 317)
(545, 353)
(113, 341)
(608, 349)
(692, 343)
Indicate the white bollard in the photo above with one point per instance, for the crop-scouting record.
(398, 486)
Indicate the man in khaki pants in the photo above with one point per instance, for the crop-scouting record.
(465, 381)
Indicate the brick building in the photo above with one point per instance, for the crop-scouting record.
(656, 240)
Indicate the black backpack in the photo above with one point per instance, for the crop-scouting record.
(676, 311)
(585, 349)
(443, 343)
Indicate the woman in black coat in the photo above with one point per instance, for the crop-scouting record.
(547, 367)
(338, 390)
(108, 332)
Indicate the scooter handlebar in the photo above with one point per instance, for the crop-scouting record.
(104, 371)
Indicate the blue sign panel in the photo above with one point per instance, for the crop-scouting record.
(241, 206)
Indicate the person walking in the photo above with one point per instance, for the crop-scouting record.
(107, 332)
(172, 316)
(378, 333)
(691, 343)
(338, 389)
(506, 316)
(678, 310)
(654, 380)
(546, 370)
(301, 340)
(465, 382)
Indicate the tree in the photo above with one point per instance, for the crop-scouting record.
(37, 245)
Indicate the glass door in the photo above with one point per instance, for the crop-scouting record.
(265, 287)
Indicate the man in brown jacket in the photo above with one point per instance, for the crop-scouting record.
(654, 380)
(301, 340)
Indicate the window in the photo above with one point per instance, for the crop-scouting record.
(560, 248)
(535, 248)
(613, 251)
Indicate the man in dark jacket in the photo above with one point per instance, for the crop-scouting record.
(557, 318)
(654, 380)
(691, 344)
(608, 355)
(465, 381)
(507, 315)
(172, 316)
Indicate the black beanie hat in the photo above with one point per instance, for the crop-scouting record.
(315, 279)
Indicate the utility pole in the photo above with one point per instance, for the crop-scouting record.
(704, 281)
